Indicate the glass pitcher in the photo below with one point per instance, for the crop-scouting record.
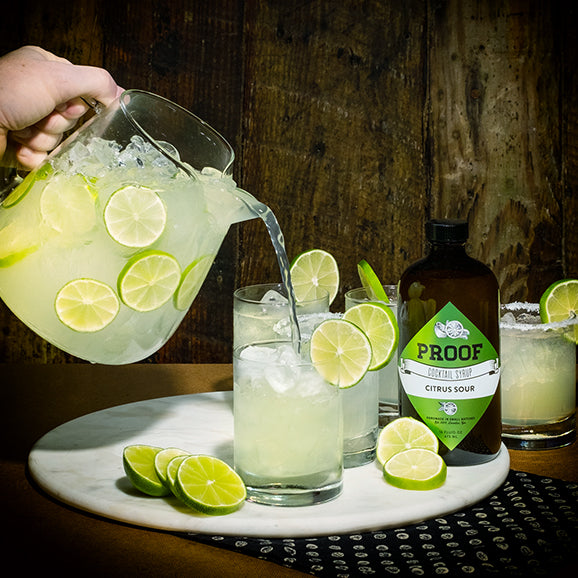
(104, 247)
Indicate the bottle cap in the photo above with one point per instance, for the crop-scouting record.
(447, 230)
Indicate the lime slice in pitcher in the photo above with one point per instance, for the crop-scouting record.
(209, 485)
(313, 270)
(67, 204)
(135, 216)
(191, 282)
(340, 351)
(86, 305)
(149, 280)
(371, 283)
(380, 325)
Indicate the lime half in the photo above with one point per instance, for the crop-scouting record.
(340, 351)
(371, 283)
(314, 270)
(149, 280)
(560, 302)
(379, 324)
(415, 469)
(209, 485)
(162, 460)
(67, 204)
(191, 282)
(404, 433)
(135, 216)
(86, 305)
(139, 466)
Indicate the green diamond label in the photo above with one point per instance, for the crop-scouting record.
(450, 372)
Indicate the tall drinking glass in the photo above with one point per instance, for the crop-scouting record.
(288, 427)
(386, 376)
(261, 313)
(538, 379)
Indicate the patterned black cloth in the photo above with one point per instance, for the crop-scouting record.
(528, 527)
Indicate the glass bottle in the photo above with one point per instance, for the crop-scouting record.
(449, 343)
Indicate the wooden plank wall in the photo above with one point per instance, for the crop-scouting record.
(355, 121)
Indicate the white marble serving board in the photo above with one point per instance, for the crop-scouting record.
(80, 464)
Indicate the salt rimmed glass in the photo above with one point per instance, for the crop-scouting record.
(538, 379)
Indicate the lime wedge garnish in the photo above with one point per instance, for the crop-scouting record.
(86, 305)
(135, 216)
(139, 465)
(162, 460)
(371, 283)
(149, 280)
(415, 469)
(380, 325)
(314, 270)
(560, 302)
(67, 204)
(191, 282)
(340, 351)
(209, 485)
(404, 433)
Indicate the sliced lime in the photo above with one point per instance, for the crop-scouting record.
(67, 204)
(135, 216)
(139, 465)
(404, 433)
(191, 282)
(172, 469)
(380, 325)
(16, 242)
(560, 302)
(415, 469)
(313, 270)
(26, 185)
(371, 283)
(340, 351)
(209, 485)
(86, 305)
(162, 460)
(149, 280)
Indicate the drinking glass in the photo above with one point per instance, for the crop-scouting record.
(261, 313)
(538, 379)
(288, 427)
(386, 376)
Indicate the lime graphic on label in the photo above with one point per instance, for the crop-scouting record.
(450, 372)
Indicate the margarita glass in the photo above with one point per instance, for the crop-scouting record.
(538, 379)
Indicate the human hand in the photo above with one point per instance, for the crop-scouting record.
(41, 98)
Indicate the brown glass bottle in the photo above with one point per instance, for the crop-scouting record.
(449, 276)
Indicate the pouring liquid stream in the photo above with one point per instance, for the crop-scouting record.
(268, 217)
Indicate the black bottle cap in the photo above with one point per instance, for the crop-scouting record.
(446, 231)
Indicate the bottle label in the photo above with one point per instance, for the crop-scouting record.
(450, 373)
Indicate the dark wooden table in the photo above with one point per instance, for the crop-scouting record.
(42, 534)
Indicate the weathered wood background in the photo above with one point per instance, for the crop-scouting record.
(355, 121)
